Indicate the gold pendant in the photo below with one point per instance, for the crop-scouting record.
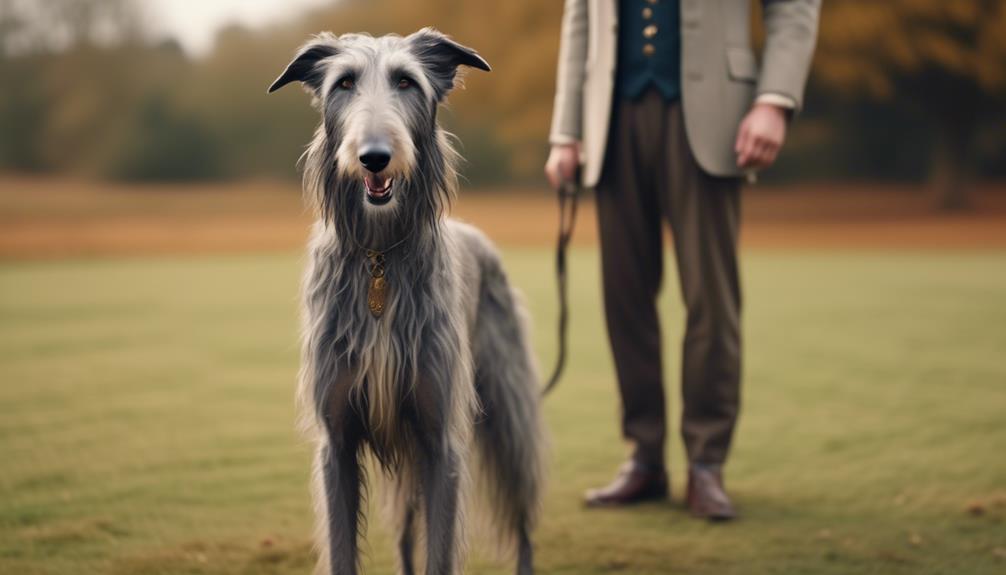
(378, 292)
(376, 295)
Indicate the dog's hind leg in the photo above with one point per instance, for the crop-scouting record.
(509, 432)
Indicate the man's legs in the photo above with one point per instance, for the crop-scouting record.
(704, 213)
(632, 266)
(630, 223)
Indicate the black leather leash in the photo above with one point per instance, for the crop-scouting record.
(569, 194)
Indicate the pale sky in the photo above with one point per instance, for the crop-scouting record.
(195, 22)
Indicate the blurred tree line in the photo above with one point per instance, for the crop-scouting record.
(925, 82)
(907, 90)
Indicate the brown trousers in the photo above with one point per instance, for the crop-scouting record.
(651, 176)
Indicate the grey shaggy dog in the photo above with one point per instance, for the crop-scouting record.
(414, 344)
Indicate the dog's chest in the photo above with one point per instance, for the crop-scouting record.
(388, 363)
(341, 325)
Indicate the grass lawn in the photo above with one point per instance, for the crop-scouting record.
(147, 421)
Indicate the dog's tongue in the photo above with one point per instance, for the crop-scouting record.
(376, 184)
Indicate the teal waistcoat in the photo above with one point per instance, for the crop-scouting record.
(649, 48)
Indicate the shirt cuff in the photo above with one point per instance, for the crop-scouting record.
(562, 140)
(778, 100)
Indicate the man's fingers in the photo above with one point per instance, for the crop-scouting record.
(746, 150)
(771, 154)
(568, 169)
(743, 139)
(753, 150)
(743, 159)
(562, 163)
(552, 174)
(742, 147)
(768, 152)
(760, 153)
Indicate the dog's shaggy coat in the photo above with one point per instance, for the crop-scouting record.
(445, 375)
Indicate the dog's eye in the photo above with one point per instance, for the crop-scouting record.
(347, 83)
(404, 83)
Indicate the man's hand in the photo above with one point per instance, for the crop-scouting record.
(761, 135)
(562, 163)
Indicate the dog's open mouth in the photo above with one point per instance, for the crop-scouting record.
(378, 189)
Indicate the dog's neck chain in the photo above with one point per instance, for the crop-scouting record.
(377, 293)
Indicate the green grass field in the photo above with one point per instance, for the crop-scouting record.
(147, 421)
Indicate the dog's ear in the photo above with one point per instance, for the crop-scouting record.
(441, 57)
(304, 68)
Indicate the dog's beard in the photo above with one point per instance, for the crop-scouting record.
(370, 224)
(418, 198)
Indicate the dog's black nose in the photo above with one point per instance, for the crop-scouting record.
(375, 159)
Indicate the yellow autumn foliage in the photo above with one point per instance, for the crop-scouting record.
(868, 46)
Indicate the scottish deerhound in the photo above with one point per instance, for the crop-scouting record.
(414, 344)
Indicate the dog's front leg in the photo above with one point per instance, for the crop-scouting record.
(341, 470)
(406, 540)
(440, 477)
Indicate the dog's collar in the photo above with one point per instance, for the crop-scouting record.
(370, 251)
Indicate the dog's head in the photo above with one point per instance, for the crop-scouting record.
(378, 100)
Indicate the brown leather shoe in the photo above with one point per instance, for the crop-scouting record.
(706, 497)
(635, 483)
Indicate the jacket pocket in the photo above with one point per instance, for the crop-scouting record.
(742, 65)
